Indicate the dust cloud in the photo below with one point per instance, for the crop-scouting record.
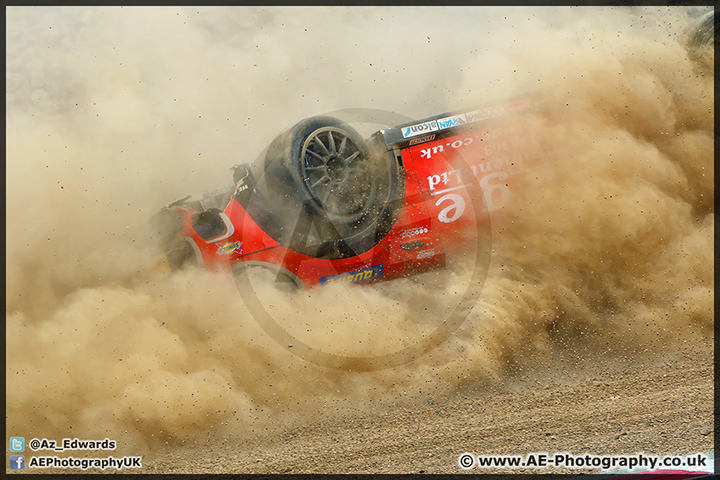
(113, 112)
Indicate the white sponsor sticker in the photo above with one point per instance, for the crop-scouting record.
(420, 128)
(414, 231)
(425, 254)
(478, 115)
(497, 110)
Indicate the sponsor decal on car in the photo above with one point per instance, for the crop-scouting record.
(498, 110)
(229, 248)
(420, 128)
(425, 254)
(453, 121)
(414, 231)
(364, 275)
(426, 138)
(519, 106)
(484, 113)
(412, 245)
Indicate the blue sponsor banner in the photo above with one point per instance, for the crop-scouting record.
(364, 275)
(454, 121)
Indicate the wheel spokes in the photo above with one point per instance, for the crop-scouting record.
(316, 155)
(336, 173)
(343, 144)
(324, 178)
(352, 157)
(331, 141)
(317, 140)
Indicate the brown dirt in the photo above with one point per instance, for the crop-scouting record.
(659, 405)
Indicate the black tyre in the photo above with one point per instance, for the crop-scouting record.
(702, 40)
(702, 31)
(334, 197)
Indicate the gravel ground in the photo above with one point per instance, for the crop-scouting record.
(657, 405)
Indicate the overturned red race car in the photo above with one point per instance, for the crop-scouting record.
(322, 204)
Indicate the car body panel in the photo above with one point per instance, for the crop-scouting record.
(440, 158)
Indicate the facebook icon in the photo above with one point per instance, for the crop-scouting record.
(17, 462)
